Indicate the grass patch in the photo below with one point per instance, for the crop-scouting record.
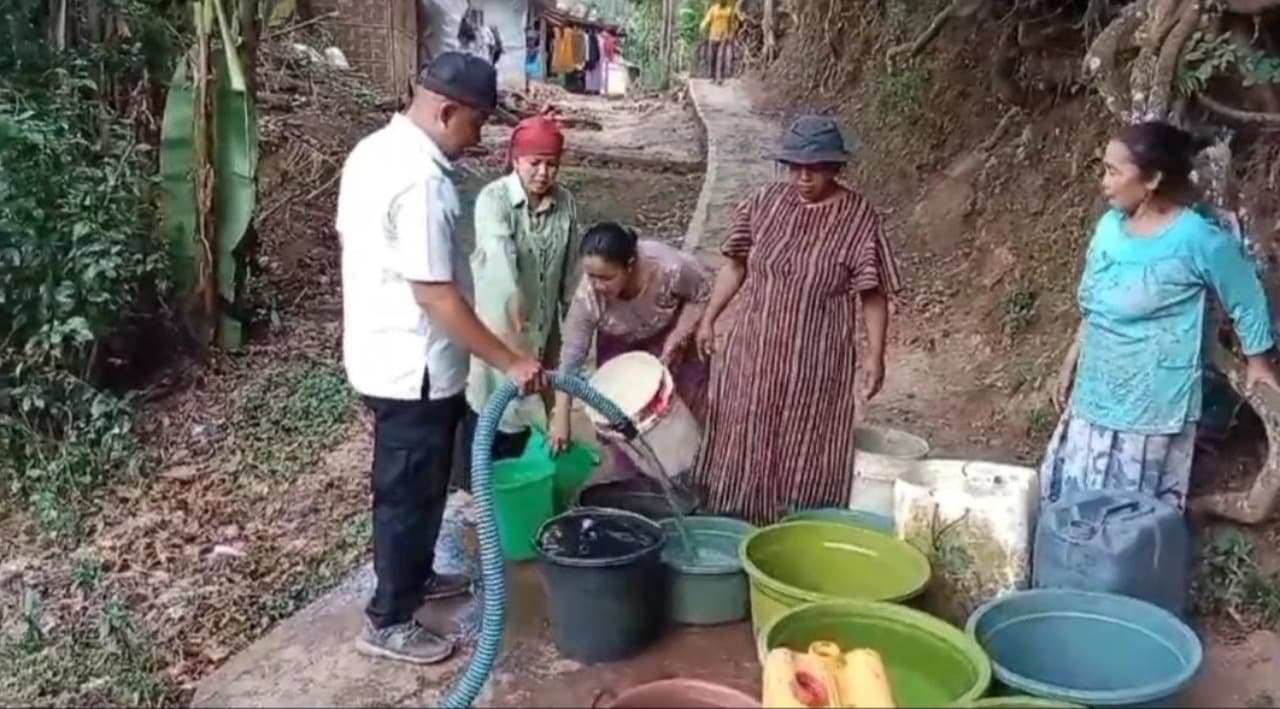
(285, 420)
(1040, 422)
(899, 93)
(101, 658)
(344, 554)
(1230, 582)
(1019, 310)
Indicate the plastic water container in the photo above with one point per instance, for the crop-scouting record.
(881, 456)
(642, 387)
(1117, 542)
(975, 521)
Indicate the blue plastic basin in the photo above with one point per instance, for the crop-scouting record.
(1095, 649)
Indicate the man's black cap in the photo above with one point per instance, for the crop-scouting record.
(464, 78)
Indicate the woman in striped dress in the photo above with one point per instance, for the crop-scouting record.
(781, 404)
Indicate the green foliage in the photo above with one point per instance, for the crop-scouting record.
(101, 658)
(285, 419)
(1212, 55)
(642, 20)
(1231, 583)
(75, 254)
(900, 94)
(1019, 310)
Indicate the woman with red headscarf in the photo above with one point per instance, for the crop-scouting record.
(525, 265)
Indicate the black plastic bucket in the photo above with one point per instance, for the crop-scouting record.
(605, 582)
(641, 495)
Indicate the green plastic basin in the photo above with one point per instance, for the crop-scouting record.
(929, 662)
(523, 498)
(710, 589)
(794, 563)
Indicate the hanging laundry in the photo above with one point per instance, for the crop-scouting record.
(593, 51)
(595, 67)
(609, 45)
(562, 60)
(579, 49)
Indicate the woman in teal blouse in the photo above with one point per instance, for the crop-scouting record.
(1131, 382)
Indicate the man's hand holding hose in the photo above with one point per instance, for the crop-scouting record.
(446, 306)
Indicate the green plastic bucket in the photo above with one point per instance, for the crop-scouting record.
(857, 518)
(573, 466)
(794, 563)
(930, 663)
(710, 589)
(523, 498)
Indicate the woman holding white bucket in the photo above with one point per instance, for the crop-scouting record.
(805, 254)
(636, 295)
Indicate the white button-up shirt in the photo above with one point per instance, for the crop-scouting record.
(397, 213)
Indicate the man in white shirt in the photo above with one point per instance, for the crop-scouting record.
(408, 330)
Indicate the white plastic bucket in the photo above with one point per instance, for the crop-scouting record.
(635, 381)
(882, 455)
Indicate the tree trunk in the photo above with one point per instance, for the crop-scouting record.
(769, 30)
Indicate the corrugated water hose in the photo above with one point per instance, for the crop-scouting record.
(492, 570)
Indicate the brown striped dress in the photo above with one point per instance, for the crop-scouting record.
(781, 403)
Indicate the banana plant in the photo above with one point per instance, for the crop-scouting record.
(208, 170)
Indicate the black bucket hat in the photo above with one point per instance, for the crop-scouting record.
(813, 140)
(464, 78)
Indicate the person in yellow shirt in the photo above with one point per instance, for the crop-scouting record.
(719, 25)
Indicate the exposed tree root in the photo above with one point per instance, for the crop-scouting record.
(1256, 119)
(917, 45)
(1004, 62)
(1153, 102)
(1249, 7)
(1102, 61)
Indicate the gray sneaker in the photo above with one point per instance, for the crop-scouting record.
(406, 642)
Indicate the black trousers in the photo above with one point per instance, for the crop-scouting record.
(413, 450)
(505, 445)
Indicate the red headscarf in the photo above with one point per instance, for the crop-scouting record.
(536, 135)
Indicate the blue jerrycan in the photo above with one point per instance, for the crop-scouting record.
(1114, 541)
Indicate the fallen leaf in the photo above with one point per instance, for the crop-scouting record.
(222, 550)
(181, 473)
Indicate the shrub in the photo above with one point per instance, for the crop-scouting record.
(75, 248)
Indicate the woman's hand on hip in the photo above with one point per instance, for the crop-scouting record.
(1261, 369)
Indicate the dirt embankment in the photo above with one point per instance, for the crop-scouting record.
(987, 162)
